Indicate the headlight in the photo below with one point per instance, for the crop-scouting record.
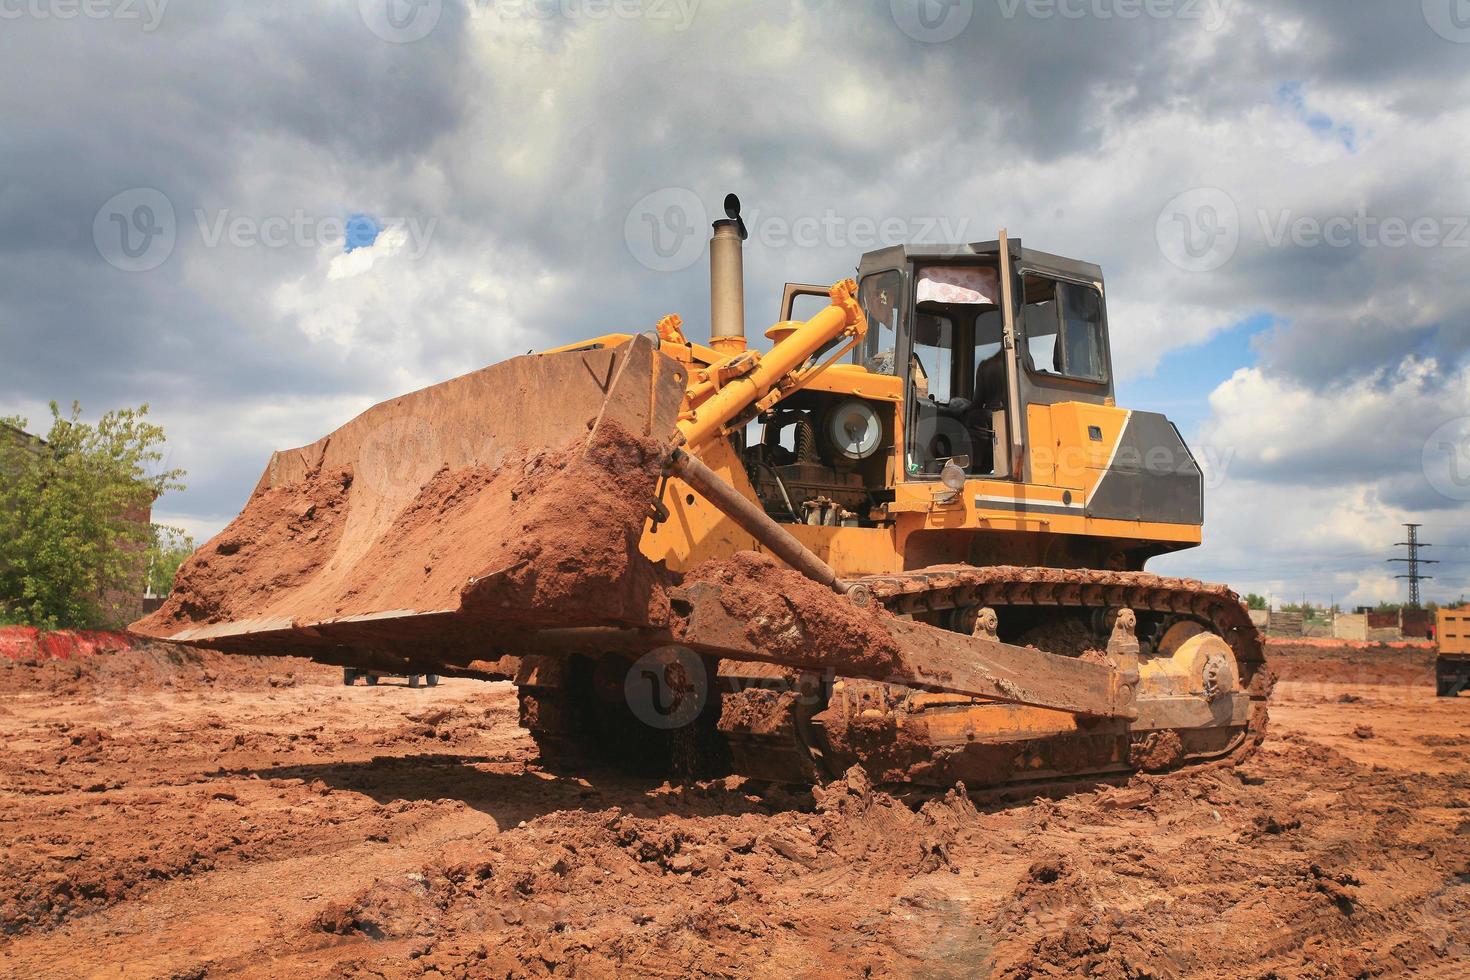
(952, 476)
(853, 429)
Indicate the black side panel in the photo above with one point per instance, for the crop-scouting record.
(1152, 476)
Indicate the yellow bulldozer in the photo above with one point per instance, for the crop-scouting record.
(910, 536)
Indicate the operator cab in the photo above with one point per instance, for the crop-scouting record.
(935, 317)
(829, 455)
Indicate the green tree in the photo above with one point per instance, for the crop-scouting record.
(1253, 601)
(171, 546)
(72, 541)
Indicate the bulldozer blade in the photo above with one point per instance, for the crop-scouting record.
(511, 498)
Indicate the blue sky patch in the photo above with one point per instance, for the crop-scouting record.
(1293, 96)
(362, 231)
(1181, 384)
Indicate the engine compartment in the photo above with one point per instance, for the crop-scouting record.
(821, 459)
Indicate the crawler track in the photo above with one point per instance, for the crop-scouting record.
(781, 725)
(950, 587)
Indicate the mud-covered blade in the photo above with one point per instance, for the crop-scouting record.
(510, 498)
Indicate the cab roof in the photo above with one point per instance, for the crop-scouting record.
(899, 256)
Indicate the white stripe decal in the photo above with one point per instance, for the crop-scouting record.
(982, 499)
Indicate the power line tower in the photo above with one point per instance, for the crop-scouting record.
(1414, 561)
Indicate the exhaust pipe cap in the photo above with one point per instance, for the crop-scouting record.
(732, 216)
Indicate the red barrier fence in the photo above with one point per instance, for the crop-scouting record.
(29, 643)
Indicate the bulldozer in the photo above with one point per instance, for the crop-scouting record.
(910, 534)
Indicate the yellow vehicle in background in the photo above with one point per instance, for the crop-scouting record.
(1452, 640)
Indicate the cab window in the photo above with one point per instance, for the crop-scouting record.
(881, 297)
(933, 361)
(957, 380)
(1062, 322)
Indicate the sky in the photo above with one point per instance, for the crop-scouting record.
(262, 218)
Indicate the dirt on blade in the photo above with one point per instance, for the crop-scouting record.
(547, 536)
(787, 613)
(278, 543)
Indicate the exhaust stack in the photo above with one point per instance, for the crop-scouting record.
(727, 280)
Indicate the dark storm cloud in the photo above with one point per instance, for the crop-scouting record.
(1370, 45)
(193, 109)
(1321, 349)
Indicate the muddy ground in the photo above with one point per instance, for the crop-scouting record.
(178, 815)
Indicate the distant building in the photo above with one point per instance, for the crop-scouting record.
(1373, 627)
(1416, 622)
(19, 437)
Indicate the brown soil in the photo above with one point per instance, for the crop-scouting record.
(1157, 752)
(281, 539)
(157, 667)
(1069, 635)
(790, 615)
(547, 537)
(170, 816)
(1359, 663)
(554, 542)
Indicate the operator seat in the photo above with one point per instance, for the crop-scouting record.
(990, 397)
